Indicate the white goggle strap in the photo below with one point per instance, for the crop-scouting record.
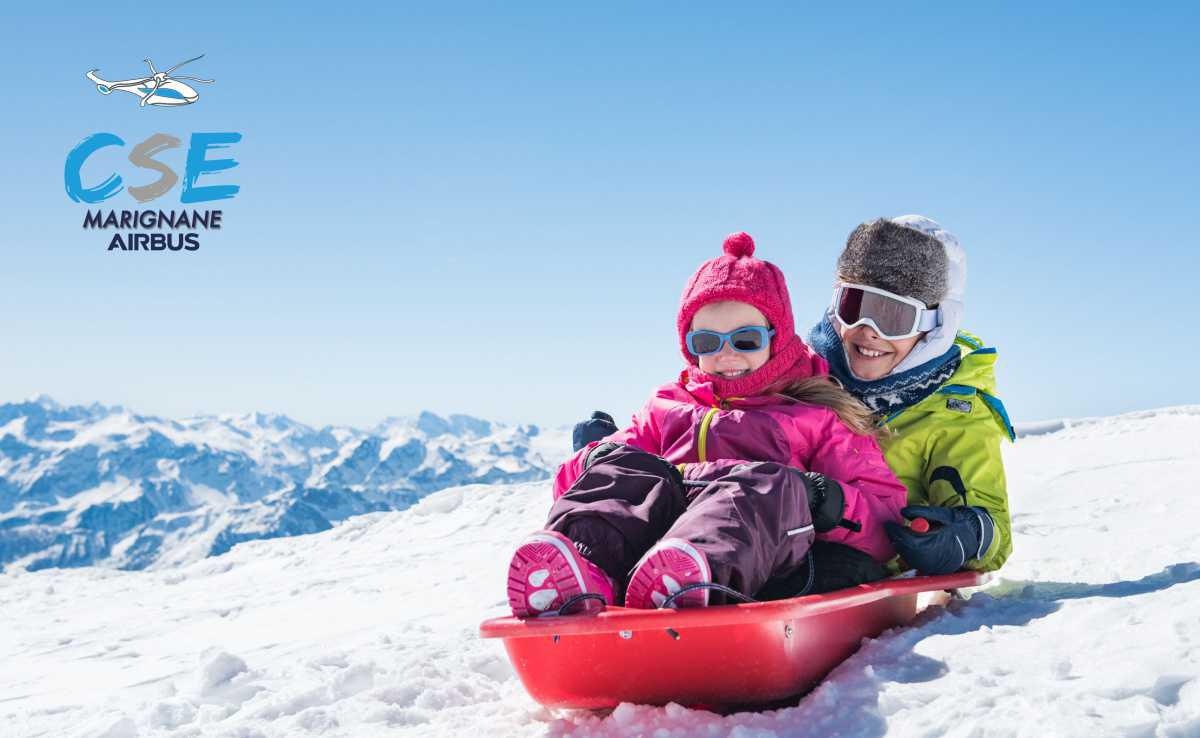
(930, 319)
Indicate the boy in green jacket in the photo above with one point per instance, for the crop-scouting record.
(892, 337)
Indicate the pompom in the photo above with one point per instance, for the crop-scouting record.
(738, 245)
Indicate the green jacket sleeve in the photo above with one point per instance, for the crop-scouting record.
(964, 467)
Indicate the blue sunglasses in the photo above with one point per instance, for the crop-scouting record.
(746, 340)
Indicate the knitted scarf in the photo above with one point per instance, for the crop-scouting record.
(889, 394)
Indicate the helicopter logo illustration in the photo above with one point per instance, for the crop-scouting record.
(160, 88)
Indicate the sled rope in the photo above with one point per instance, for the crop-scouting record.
(727, 591)
(580, 598)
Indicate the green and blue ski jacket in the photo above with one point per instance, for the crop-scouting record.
(946, 448)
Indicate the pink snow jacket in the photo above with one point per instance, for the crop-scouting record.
(685, 422)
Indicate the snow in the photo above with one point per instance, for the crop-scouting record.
(14, 428)
(370, 629)
(120, 489)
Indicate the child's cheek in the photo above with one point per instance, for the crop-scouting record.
(760, 358)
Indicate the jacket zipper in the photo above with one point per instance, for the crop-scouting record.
(702, 446)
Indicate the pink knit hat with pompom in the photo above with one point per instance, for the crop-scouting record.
(736, 275)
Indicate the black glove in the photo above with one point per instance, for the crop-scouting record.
(825, 500)
(600, 450)
(600, 425)
(956, 535)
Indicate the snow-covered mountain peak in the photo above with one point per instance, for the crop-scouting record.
(267, 474)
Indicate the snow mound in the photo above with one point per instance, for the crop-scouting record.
(1043, 427)
(370, 628)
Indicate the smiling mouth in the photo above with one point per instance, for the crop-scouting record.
(869, 353)
(731, 373)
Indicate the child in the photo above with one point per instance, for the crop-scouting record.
(892, 338)
(722, 482)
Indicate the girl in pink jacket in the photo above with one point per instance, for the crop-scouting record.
(726, 476)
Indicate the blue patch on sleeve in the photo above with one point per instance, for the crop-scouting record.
(998, 408)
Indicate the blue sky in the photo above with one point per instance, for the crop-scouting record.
(492, 209)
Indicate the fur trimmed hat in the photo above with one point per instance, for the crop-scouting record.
(895, 257)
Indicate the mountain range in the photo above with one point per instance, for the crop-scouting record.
(101, 485)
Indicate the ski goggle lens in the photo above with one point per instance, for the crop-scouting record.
(744, 340)
(890, 316)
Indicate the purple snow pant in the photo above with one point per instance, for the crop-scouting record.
(751, 520)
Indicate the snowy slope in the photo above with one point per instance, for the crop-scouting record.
(368, 629)
(97, 485)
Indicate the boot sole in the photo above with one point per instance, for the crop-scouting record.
(545, 562)
(676, 559)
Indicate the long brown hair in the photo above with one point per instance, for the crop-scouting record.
(824, 391)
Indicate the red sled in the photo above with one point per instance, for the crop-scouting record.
(718, 657)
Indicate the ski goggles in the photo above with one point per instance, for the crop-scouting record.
(892, 316)
(745, 340)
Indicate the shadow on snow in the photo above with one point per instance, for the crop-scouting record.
(847, 704)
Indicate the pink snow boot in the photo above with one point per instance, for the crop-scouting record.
(669, 566)
(547, 571)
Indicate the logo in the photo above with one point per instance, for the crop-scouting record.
(203, 167)
(958, 406)
(160, 88)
